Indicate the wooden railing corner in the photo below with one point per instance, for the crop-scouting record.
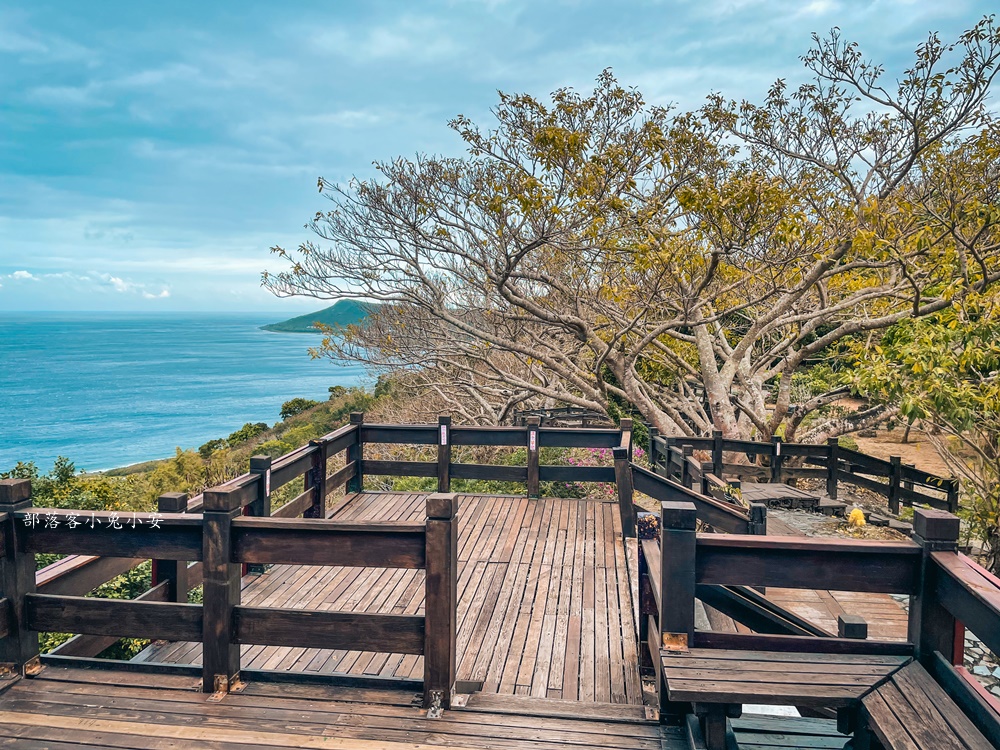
(441, 601)
(678, 539)
(221, 592)
(931, 626)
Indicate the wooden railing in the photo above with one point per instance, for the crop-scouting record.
(898, 483)
(532, 436)
(221, 541)
(79, 574)
(948, 592)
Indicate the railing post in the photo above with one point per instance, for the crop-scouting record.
(533, 424)
(354, 453)
(677, 581)
(623, 482)
(441, 600)
(776, 459)
(832, 466)
(316, 481)
(706, 469)
(717, 453)
(686, 452)
(758, 519)
(220, 655)
(172, 571)
(19, 648)
(931, 626)
(895, 480)
(444, 454)
(952, 494)
(854, 627)
(651, 450)
(668, 443)
(625, 425)
(645, 607)
(908, 483)
(261, 506)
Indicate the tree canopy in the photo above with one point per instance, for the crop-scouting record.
(595, 249)
(944, 370)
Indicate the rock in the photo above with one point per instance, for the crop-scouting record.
(995, 690)
(981, 671)
(996, 673)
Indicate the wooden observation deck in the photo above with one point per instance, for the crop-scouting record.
(384, 620)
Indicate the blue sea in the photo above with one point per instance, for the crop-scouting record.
(111, 389)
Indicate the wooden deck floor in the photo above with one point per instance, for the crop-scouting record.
(77, 708)
(545, 607)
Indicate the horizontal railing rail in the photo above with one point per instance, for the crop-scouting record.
(898, 483)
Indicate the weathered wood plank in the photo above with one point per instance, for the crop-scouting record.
(308, 542)
(118, 617)
(789, 562)
(105, 533)
(400, 634)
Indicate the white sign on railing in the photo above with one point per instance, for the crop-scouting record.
(532, 441)
(444, 434)
(267, 482)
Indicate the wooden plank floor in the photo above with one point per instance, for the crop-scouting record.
(78, 708)
(545, 606)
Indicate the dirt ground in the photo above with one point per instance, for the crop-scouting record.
(918, 450)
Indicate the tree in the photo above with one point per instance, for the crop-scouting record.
(249, 431)
(296, 406)
(688, 264)
(945, 370)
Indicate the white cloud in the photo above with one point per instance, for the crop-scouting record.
(162, 295)
(68, 96)
(417, 39)
(22, 275)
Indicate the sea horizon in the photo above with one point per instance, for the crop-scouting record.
(109, 389)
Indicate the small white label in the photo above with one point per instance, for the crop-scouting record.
(777, 449)
(532, 441)
(444, 434)
(267, 482)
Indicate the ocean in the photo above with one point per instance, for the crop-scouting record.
(111, 389)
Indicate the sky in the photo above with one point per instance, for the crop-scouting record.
(152, 153)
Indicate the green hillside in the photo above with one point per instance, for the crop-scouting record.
(343, 312)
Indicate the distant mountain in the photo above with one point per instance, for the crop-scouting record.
(343, 312)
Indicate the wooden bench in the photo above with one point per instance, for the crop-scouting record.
(719, 681)
(911, 711)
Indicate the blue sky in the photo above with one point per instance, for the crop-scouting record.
(151, 153)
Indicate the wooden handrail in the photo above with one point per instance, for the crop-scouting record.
(222, 540)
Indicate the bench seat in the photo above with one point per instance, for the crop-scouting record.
(912, 712)
(719, 681)
(722, 676)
